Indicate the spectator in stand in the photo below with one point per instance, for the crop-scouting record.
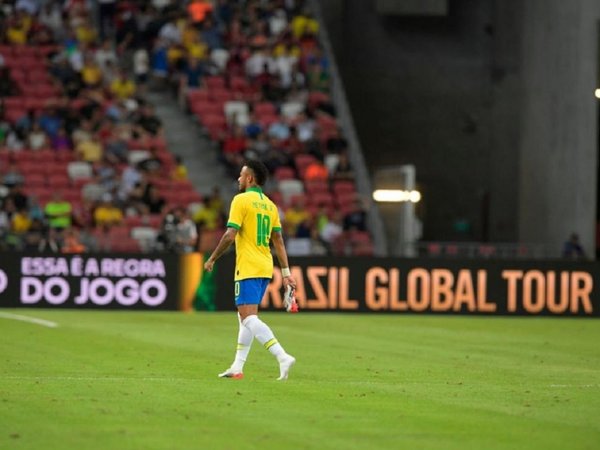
(15, 140)
(84, 132)
(18, 25)
(50, 121)
(51, 241)
(316, 171)
(572, 249)
(105, 175)
(71, 242)
(18, 197)
(37, 138)
(356, 218)
(90, 150)
(336, 143)
(12, 176)
(141, 68)
(305, 127)
(193, 44)
(91, 72)
(216, 201)
(123, 87)
(154, 203)
(159, 62)
(279, 130)
(61, 142)
(129, 178)
(294, 216)
(170, 32)
(58, 212)
(51, 17)
(343, 170)
(304, 24)
(206, 217)
(179, 172)
(115, 147)
(304, 230)
(7, 86)
(198, 11)
(107, 215)
(35, 210)
(331, 230)
(33, 238)
(191, 78)
(63, 73)
(128, 32)
(152, 165)
(106, 12)
(147, 122)
(186, 234)
(106, 55)
(211, 34)
(20, 221)
(317, 78)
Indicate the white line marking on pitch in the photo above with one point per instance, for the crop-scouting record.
(42, 322)
(70, 378)
(574, 385)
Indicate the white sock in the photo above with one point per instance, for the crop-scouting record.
(245, 338)
(264, 335)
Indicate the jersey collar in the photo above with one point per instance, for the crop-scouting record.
(254, 189)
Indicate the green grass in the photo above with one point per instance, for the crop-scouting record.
(127, 380)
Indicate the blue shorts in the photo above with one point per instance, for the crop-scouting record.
(250, 291)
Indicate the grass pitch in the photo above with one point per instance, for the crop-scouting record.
(132, 380)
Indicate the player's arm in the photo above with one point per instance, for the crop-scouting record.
(278, 244)
(225, 242)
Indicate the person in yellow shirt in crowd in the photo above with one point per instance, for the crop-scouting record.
(123, 87)
(107, 214)
(18, 28)
(216, 201)
(196, 48)
(304, 24)
(294, 216)
(20, 222)
(91, 73)
(179, 172)
(90, 150)
(206, 217)
(86, 33)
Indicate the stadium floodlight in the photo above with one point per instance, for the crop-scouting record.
(396, 196)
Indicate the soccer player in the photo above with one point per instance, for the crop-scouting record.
(254, 222)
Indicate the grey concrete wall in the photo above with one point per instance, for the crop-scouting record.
(419, 94)
(494, 105)
(558, 152)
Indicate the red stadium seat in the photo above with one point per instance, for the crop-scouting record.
(284, 173)
(214, 82)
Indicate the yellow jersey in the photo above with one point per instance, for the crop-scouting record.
(255, 216)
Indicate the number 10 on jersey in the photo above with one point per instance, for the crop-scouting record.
(263, 229)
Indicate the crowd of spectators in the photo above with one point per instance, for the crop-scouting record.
(87, 109)
(255, 75)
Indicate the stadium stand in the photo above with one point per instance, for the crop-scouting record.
(76, 123)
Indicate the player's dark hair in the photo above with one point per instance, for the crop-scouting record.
(260, 171)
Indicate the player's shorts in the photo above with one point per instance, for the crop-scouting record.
(250, 291)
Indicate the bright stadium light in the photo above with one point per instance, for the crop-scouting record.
(597, 93)
(396, 196)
